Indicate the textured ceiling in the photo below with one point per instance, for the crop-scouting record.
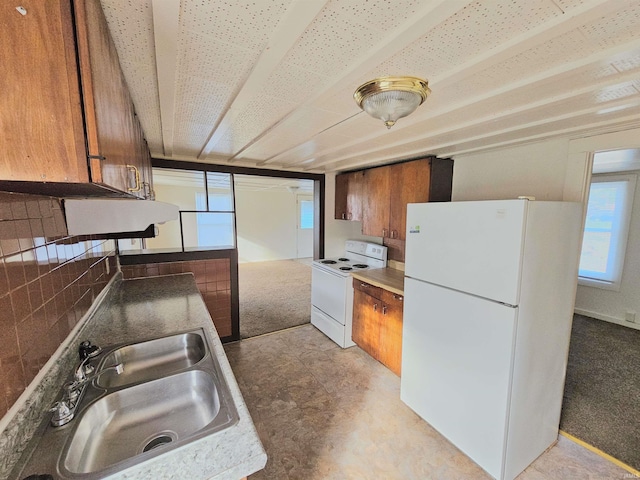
(269, 83)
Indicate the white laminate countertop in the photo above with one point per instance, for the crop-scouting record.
(152, 307)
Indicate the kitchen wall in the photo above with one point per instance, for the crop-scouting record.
(48, 281)
(169, 236)
(556, 170)
(266, 224)
(536, 169)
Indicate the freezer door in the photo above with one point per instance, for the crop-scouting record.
(473, 247)
(456, 368)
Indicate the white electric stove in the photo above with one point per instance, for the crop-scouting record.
(332, 288)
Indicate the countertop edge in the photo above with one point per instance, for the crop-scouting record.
(393, 285)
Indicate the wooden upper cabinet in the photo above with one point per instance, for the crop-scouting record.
(342, 192)
(67, 117)
(349, 195)
(410, 184)
(387, 190)
(40, 114)
(375, 203)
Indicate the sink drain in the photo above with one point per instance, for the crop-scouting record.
(157, 442)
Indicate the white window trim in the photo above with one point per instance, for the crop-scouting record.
(624, 234)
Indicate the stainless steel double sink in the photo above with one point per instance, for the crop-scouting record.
(170, 393)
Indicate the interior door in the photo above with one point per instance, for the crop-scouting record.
(304, 224)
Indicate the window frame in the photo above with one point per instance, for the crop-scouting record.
(623, 233)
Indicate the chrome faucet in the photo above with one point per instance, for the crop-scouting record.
(64, 409)
(118, 368)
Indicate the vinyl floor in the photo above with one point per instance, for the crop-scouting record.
(327, 413)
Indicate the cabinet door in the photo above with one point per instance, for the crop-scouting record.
(410, 184)
(354, 195)
(42, 130)
(342, 191)
(390, 351)
(375, 204)
(109, 115)
(348, 196)
(366, 324)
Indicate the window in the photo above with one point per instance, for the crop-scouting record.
(306, 214)
(215, 226)
(606, 230)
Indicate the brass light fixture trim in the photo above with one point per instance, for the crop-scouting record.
(377, 97)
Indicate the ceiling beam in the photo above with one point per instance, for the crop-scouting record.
(429, 15)
(468, 103)
(626, 78)
(166, 15)
(558, 26)
(625, 102)
(292, 25)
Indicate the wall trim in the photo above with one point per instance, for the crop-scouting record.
(607, 318)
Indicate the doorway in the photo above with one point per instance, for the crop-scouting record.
(275, 234)
(304, 230)
(602, 393)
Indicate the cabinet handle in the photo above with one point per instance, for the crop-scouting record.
(384, 232)
(364, 285)
(375, 307)
(398, 297)
(384, 309)
(394, 234)
(136, 173)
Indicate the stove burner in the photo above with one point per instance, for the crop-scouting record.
(346, 268)
(343, 259)
(360, 265)
(328, 262)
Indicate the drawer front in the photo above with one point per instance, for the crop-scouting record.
(392, 299)
(364, 287)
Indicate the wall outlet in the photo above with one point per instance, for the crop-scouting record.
(630, 316)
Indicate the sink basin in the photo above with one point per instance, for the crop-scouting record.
(152, 359)
(142, 419)
(172, 392)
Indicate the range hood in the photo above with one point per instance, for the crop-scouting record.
(103, 216)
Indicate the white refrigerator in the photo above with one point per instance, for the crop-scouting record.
(488, 306)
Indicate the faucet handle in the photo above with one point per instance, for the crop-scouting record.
(88, 350)
(62, 413)
(72, 391)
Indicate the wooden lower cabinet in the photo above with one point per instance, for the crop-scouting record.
(377, 323)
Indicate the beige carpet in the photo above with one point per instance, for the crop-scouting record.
(273, 296)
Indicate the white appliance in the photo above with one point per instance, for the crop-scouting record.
(332, 288)
(488, 304)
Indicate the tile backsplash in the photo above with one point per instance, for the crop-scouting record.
(48, 281)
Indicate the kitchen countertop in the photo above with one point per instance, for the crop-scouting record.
(388, 278)
(156, 306)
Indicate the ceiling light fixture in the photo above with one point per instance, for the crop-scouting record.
(391, 98)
